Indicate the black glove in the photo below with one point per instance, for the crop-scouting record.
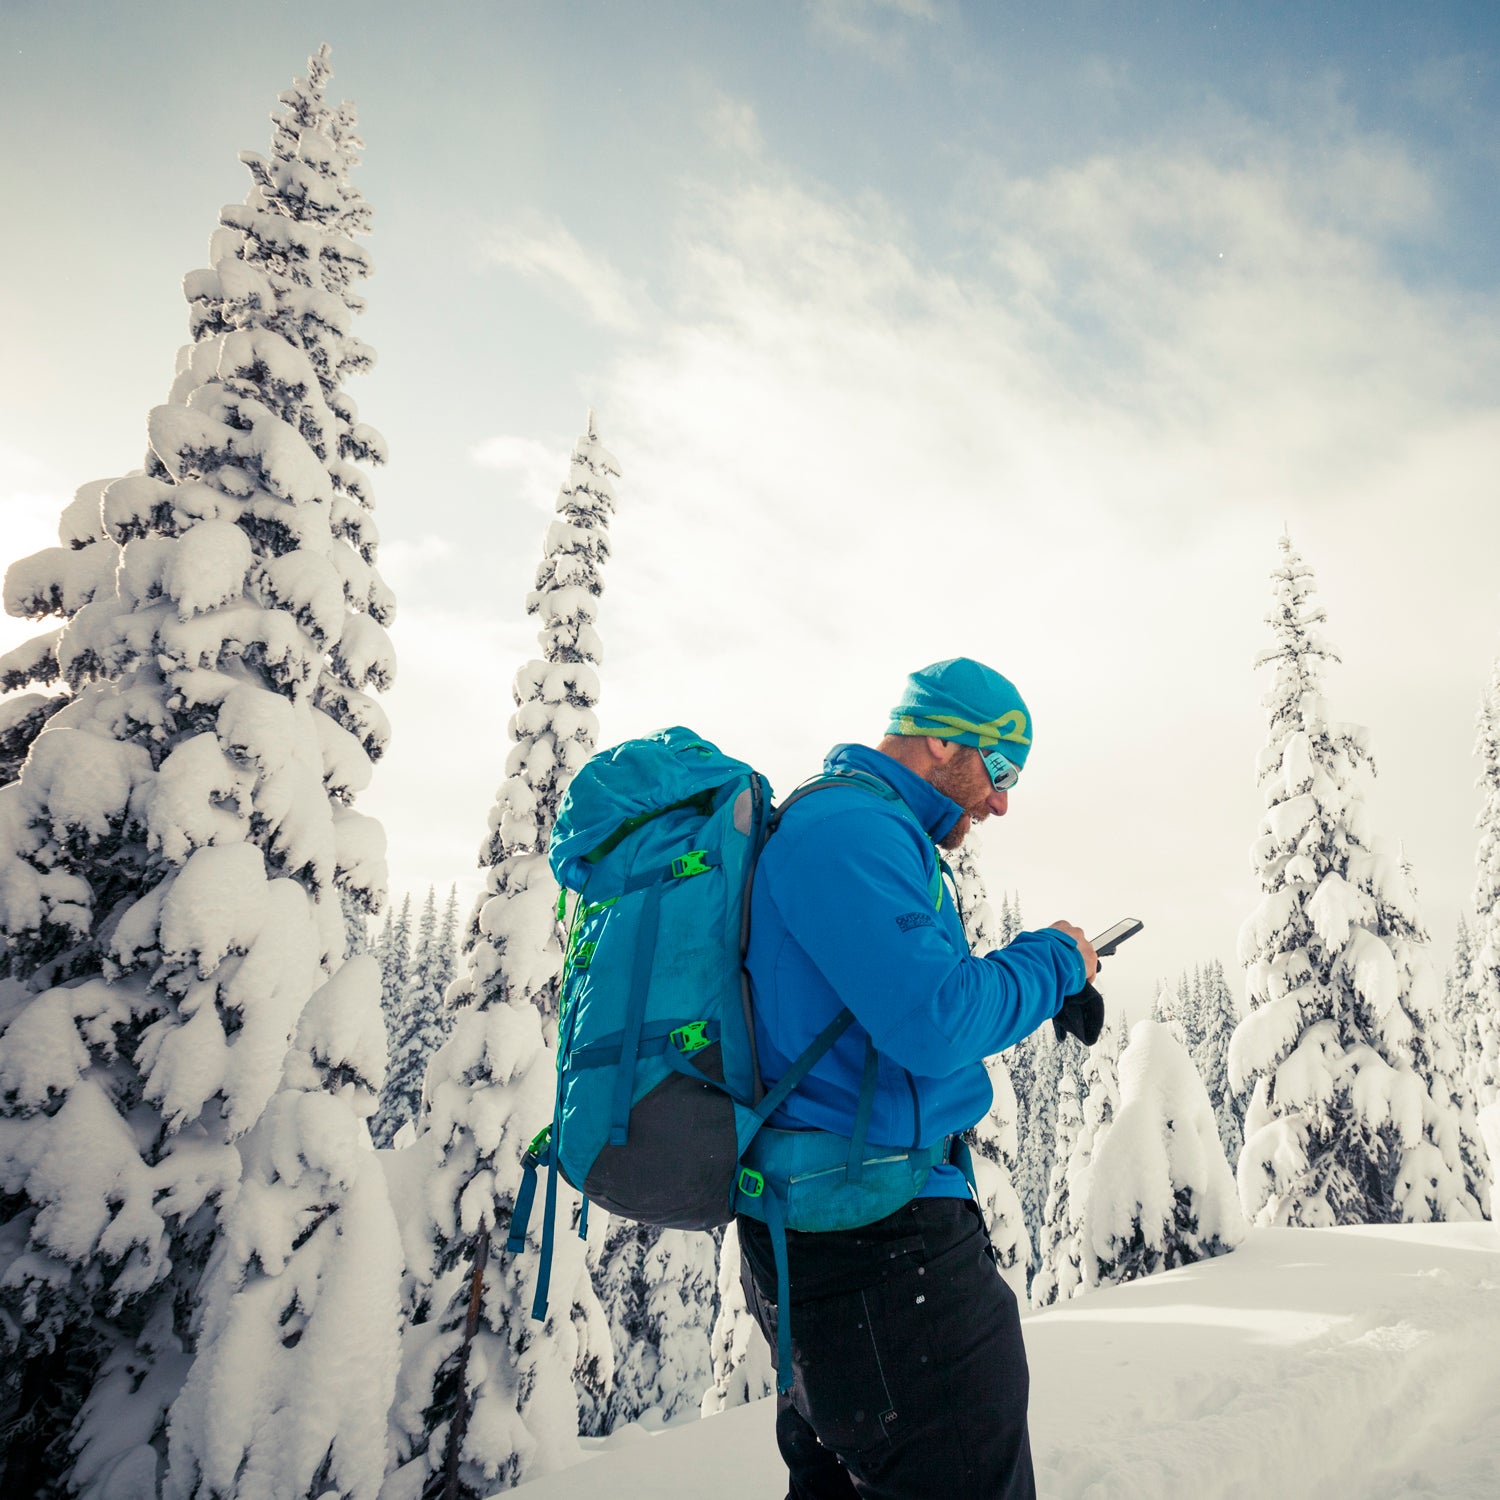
(1082, 1015)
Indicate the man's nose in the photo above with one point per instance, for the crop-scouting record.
(997, 803)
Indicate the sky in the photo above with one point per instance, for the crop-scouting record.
(917, 329)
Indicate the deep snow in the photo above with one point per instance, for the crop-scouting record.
(1358, 1363)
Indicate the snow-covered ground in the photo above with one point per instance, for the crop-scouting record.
(1350, 1363)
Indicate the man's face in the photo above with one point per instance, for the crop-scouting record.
(964, 778)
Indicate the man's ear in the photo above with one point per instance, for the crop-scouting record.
(942, 751)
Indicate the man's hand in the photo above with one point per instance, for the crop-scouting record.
(1090, 958)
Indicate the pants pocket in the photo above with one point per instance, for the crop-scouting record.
(847, 1379)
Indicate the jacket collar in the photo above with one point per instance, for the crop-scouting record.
(935, 812)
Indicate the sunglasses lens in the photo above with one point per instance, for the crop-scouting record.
(1003, 775)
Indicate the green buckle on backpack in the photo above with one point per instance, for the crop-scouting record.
(583, 955)
(752, 1184)
(694, 862)
(691, 1037)
(539, 1141)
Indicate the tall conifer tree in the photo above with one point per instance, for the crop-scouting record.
(1482, 1061)
(1336, 1106)
(491, 1396)
(1219, 1015)
(423, 1020)
(1057, 1275)
(178, 851)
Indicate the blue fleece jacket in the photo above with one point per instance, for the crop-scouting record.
(842, 914)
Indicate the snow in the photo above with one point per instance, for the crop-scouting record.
(308, 588)
(59, 580)
(207, 566)
(365, 654)
(1353, 1362)
(32, 661)
(199, 797)
(1335, 907)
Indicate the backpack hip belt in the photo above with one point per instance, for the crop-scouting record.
(816, 1181)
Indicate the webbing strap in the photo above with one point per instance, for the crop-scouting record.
(630, 1040)
(583, 1220)
(520, 1214)
(776, 1223)
(854, 1168)
(549, 1225)
(754, 1119)
(654, 1038)
(961, 1157)
(654, 876)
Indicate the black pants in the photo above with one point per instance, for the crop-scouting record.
(909, 1375)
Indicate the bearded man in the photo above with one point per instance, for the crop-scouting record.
(908, 1371)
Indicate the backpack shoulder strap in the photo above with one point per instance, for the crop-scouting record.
(826, 779)
(871, 783)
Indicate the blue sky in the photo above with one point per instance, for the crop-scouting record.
(916, 328)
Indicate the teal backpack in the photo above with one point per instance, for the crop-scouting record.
(660, 1111)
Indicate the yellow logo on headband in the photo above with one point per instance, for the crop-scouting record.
(1010, 727)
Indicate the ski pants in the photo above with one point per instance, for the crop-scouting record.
(909, 1376)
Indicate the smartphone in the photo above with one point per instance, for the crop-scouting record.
(1112, 937)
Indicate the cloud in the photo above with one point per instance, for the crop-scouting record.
(546, 251)
(537, 470)
(732, 124)
(877, 30)
(404, 560)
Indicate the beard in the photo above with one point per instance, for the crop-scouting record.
(964, 781)
(957, 834)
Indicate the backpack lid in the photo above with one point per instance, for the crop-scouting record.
(630, 784)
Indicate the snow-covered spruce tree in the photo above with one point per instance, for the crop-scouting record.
(1482, 1060)
(742, 1368)
(1458, 992)
(658, 1288)
(1168, 1005)
(1446, 1176)
(448, 937)
(1326, 1048)
(1036, 1069)
(499, 1388)
(1009, 918)
(394, 953)
(1161, 1193)
(173, 854)
(993, 1140)
(1461, 1017)
(514, 938)
(1218, 1016)
(1057, 1274)
(422, 1022)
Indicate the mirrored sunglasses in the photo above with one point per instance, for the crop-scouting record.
(1003, 773)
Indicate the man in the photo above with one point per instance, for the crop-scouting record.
(909, 1374)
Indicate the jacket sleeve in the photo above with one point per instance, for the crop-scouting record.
(853, 892)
